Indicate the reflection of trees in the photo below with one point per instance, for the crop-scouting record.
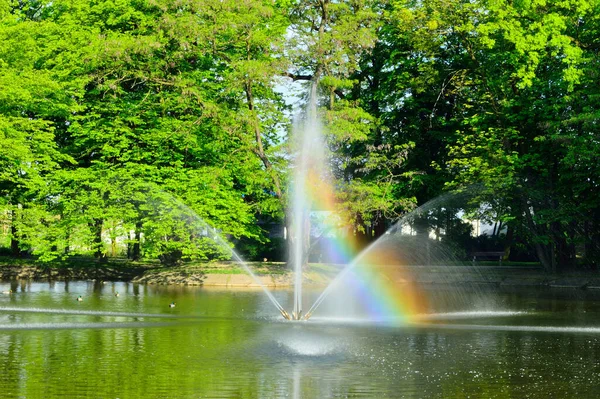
(229, 356)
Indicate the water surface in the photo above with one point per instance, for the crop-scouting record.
(219, 343)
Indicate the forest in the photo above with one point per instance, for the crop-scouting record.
(115, 114)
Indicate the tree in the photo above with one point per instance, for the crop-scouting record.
(505, 89)
(496, 95)
(146, 105)
(518, 147)
(35, 101)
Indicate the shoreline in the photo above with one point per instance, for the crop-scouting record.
(275, 275)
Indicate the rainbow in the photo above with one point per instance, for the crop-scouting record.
(386, 299)
(379, 280)
(381, 283)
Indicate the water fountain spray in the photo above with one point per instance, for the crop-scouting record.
(193, 219)
(309, 165)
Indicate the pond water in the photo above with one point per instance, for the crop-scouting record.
(227, 343)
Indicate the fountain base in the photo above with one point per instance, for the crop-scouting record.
(294, 315)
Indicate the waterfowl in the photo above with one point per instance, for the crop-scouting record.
(116, 294)
(79, 298)
(7, 292)
(172, 305)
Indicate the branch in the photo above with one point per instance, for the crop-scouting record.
(297, 77)
(339, 93)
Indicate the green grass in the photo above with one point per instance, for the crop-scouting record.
(232, 270)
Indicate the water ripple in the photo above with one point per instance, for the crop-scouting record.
(86, 312)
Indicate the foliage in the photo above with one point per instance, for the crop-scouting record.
(491, 93)
(88, 129)
(113, 114)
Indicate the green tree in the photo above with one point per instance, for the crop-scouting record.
(146, 101)
(493, 85)
(36, 99)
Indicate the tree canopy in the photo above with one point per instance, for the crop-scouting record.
(121, 119)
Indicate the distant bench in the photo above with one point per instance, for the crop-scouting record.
(488, 256)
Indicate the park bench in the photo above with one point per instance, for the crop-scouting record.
(488, 256)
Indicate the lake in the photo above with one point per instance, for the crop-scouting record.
(232, 343)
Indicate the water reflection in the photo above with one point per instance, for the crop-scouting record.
(228, 343)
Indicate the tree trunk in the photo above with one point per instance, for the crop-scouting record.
(135, 253)
(499, 229)
(379, 228)
(508, 242)
(566, 251)
(363, 238)
(14, 242)
(67, 239)
(96, 227)
(259, 150)
(544, 252)
(592, 241)
(421, 226)
(15, 247)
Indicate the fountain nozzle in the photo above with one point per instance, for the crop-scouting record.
(307, 316)
(285, 314)
(296, 316)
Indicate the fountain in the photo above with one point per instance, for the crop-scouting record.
(376, 268)
(311, 188)
(310, 185)
(308, 179)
